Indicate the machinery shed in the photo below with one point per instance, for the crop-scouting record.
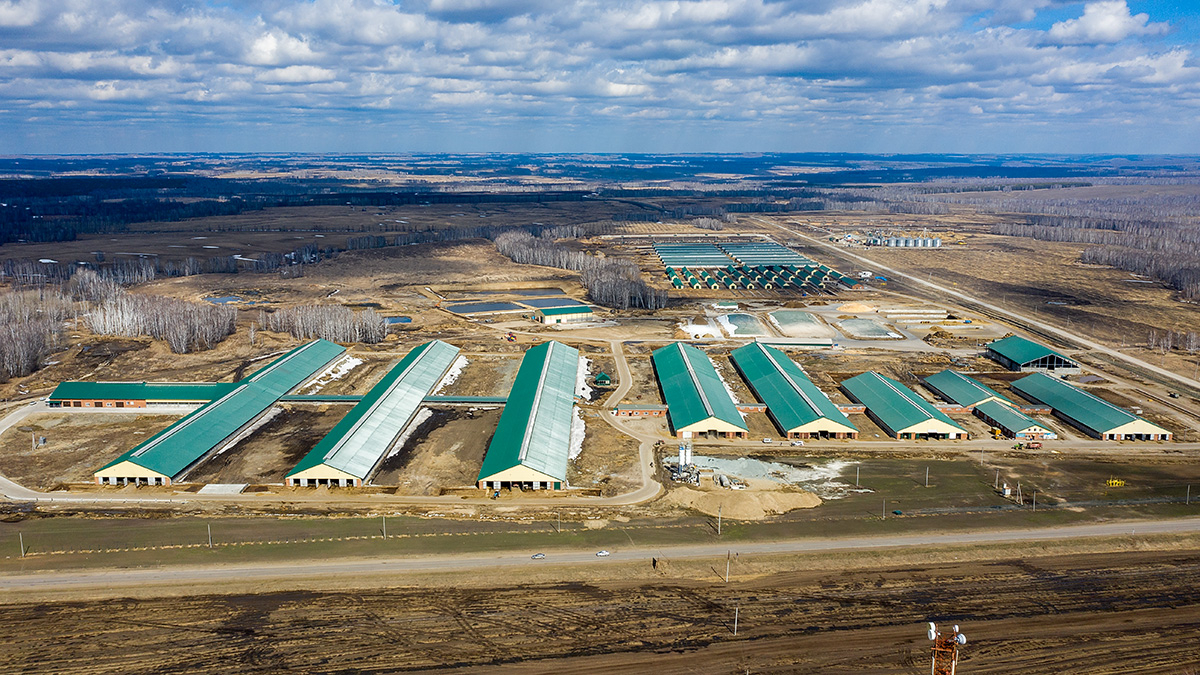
(899, 410)
(532, 443)
(564, 314)
(1087, 412)
(351, 451)
(165, 457)
(964, 391)
(1012, 422)
(1017, 353)
(697, 401)
(797, 406)
(135, 394)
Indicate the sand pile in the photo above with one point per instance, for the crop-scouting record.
(742, 504)
(856, 308)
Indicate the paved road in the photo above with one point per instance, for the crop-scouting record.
(1072, 337)
(177, 576)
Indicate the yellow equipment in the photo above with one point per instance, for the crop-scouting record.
(1115, 482)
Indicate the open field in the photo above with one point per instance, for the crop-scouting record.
(444, 451)
(266, 455)
(1073, 611)
(76, 445)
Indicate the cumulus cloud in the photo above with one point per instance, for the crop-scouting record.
(1102, 22)
(713, 69)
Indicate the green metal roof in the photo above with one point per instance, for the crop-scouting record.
(791, 398)
(179, 446)
(1089, 410)
(960, 389)
(1019, 350)
(1008, 418)
(535, 427)
(573, 309)
(692, 388)
(894, 404)
(142, 391)
(360, 439)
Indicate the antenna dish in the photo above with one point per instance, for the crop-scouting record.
(955, 628)
(960, 639)
(932, 626)
(932, 634)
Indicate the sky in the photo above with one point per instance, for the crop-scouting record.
(882, 76)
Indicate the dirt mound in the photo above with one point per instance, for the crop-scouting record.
(856, 307)
(743, 504)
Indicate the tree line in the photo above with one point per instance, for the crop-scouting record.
(610, 282)
(328, 322)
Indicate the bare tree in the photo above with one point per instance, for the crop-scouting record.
(329, 322)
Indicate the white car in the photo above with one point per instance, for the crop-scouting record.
(797, 442)
(766, 440)
(602, 554)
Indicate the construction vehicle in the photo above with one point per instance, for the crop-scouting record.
(1115, 482)
(996, 433)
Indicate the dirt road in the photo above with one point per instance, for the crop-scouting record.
(949, 292)
(131, 578)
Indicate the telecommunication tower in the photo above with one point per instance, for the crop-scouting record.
(945, 650)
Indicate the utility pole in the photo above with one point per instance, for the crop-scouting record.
(385, 526)
(856, 468)
(558, 522)
(735, 618)
(926, 476)
(1035, 501)
(727, 556)
(21, 535)
(210, 535)
(885, 509)
(1020, 497)
(718, 520)
(997, 483)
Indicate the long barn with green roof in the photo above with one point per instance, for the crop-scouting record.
(351, 451)
(532, 444)
(168, 455)
(796, 405)
(697, 401)
(1088, 412)
(899, 410)
(1017, 353)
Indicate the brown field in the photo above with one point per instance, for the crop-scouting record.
(1091, 614)
(76, 445)
(273, 449)
(445, 451)
(609, 459)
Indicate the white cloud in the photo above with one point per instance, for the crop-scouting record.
(276, 48)
(296, 75)
(1105, 22)
(727, 67)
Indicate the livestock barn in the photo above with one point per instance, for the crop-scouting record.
(798, 408)
(168, 455)
(532, 443)
(1087, 412)
(136, 394)
(1016, 353)
(351, 451)
(698, 404)
(898, 410)
(963, 391)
